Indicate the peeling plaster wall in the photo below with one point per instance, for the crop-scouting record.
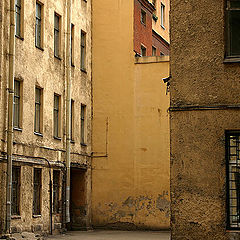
(200, 78)
(130, 181)
(35, 67)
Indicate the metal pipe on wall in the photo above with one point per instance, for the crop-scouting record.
(10, 114)
(68, 109)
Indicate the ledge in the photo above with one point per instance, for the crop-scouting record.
(17, 129)
(231, 60)
(16, 217)
(38, 134)
(36, 216)
(19, 37)
(39, 48)
(152, 59)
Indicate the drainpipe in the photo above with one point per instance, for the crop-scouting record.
(68, 109)
(10, 114)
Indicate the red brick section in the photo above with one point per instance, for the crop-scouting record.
(143, 33)
(160, 44)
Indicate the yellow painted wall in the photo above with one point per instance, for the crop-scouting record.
(130, 176)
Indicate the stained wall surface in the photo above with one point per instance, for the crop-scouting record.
(130, 180)
(38, 67)
(203, 89)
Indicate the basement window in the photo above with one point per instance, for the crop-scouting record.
(232, 31)
(233, 179)
(37, 187)
(56, 189)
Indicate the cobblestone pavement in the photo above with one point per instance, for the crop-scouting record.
(112, 235)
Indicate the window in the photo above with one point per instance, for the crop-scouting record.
(233, 178)
(17, 104)
(15, 191)
(72, 120)
(38, 27)
(162, 54)
(154, 51)
(72, 44)
(38, 110)
(83, 51)
(18, 16)
(56, 188)
(56, 35)
(37, 187)
(162, 15)
(143, 17)
(233, 28)
(143, 51)
(56, 115)
(83, 115)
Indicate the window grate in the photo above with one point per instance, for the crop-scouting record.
(233, 179)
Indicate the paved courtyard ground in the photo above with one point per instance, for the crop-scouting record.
(113, 235)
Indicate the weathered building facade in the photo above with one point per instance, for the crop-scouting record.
(205, 119)
(130, 165)
(40, 115)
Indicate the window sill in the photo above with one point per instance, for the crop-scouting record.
(144, 24)
(17, 129)
(36, 216)
(38, 134)
(231, 60)
(83, 70)
(72, 141)
(163, 27)
(57, 138)
(57, 57)
(39, 48)
(16, 217)
(19, 37)
(72, 65)
(84, 144)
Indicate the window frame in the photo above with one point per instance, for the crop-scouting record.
(18, 194)
(57, 30)
(154, 49)
(228, 135)
(41, 20)
(143, 17)
(57, 110)
(72, 43)
(21, 19)
(83, 115)
(145, 49)
(56, 191)
(83, 51)
(163, 15)
(18, 126)
(40, 104)
(72, 116)
(38, 185)
(229, 57)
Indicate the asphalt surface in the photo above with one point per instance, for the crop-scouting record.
(112, 235)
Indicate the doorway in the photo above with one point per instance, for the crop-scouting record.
(78, 203)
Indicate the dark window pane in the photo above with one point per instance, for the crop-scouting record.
(37, 185)
(15, 191)
(234, 24)
(235, 4)
(56, 188)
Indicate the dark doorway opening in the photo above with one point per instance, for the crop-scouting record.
(78, 203)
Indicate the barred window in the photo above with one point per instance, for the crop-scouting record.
(38, 27)
(233, 28)
(37, 187)
(56, 189)
(233, 178)
(17, 104)
(18, 16)
(15, 191)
